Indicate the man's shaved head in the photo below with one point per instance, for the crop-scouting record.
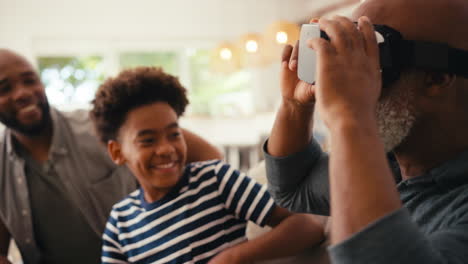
(8, 56)
(403, 105)
(23, 103)
(425, 20)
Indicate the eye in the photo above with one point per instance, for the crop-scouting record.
(30, 81)
(4, 89)
(175, 134)
(146, 141)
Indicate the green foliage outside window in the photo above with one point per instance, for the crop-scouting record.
(71, 79)
(166, 60)
(75, 80)
(217, 93)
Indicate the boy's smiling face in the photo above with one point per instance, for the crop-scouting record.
(151, 144)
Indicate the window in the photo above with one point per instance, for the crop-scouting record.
(71, 80)
(166, 60)
(217, 94)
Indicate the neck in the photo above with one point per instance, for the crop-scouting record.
(37, 146)
(430, 148)
(154, 194)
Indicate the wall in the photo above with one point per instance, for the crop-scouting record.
(61, 27)
(30, 26)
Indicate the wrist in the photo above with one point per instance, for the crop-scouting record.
(292, 129)
(344, 123)
(297, 110)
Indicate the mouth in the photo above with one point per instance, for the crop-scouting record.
(28, 109)
(165, 167)
(30, 112)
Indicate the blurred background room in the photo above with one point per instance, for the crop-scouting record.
(225, 52)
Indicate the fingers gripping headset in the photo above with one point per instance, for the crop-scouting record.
(396, 54)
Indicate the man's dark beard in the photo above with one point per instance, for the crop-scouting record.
(30, 131)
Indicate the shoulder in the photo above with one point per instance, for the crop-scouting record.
(78, 125)
(78, 120)
(206, 171)
(458, 205)
(216, 170)
(76, 115)
(202, 167)
(130, 201)
(80, 134)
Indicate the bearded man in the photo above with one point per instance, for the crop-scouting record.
(421, 119)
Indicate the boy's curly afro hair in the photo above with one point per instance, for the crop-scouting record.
(131, 89)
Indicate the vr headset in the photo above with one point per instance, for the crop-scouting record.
(396, 54)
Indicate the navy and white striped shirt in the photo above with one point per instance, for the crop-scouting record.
(206, 212)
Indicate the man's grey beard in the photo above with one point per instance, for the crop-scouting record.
(395, 116)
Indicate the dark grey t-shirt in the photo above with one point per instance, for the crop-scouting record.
(60, 229)
(432, 227)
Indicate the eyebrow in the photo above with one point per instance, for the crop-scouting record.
(146, 132)
(172, 125)
(27, 73)
(23, 74)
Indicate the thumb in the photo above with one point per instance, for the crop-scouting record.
(307, 92)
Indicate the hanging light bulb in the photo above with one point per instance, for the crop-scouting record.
(225, 54)
(251, 46)
(252, 50)
(282, 37)
(225, 58)
(283, 32)
(277, 35)
(250, 43)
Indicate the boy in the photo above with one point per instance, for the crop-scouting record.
(191, 213)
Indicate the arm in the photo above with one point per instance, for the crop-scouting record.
(4, 243)
(367, 179)
(292, 129)
(297, 169)
(253, 203)
(372, 227)
(348, 87)
(292, 233)
(198, 149)
(408, 245)
(299, 182)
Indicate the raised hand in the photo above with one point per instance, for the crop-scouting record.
(293, 126)
(293, 90)
(348, 70)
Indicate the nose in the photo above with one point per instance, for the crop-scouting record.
(23, 94)
(165, 148)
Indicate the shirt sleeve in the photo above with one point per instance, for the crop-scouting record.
(111, 248)
(242, 196)
(299, 181)
(395, 238)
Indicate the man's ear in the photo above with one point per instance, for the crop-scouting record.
(437, 83)
(115, 152)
